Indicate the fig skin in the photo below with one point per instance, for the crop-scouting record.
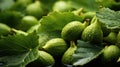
(93, 33)
(35, 9)
(110, 54)
(111, 38)
(62, 6)
(56, 47)
(27, 22)
(45, 58)
(72, 30)
(4, 29)
(67, 56)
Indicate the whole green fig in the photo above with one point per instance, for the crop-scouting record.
(61, 6)
(27, 22)
(93, 33)
(72, 30)
(111, 38)
(45, 59)
(35, 9)
(67, 57)
(4, 29)
(111, 54)
(20, 5)
(56, 47)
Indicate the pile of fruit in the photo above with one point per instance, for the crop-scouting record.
(59, 33)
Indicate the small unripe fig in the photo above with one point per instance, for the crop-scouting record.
(61, 6)
(67, 57)
(27, 22)
(20, 5)
(72, 30)
(111, 54)
(55, 46)
(4, 29)
(93, 33)
(35, 9)
(45, 59)
(111, 38)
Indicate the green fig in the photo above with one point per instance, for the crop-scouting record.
(67, 56)
(111, 54)
(111, 38)
(27, 22)
(93, 33)
(72, 30)
(44, 59)
(35, 9)
(61, 6)
(20, 5)
(55, 46)
(4, 29)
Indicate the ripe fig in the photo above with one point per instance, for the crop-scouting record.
(93, 33)
(56, 47)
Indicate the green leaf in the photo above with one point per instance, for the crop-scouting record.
(88, 5)
(56, 20)
(85, 53)
(18, 50)
(106, 3)
(52, 25)
(109, 17)
(91, 5)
